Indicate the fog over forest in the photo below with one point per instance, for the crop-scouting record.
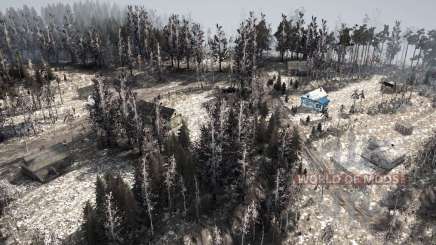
(230, 13)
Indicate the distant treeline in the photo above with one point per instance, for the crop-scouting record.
(93, 33)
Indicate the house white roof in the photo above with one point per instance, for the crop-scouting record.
(316, 94)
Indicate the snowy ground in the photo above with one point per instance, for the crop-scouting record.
(347, 149)
(57, 207)
(191, 108)
(362, 126)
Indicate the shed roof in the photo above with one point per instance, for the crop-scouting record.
(148, 108)
(47, 164)
(316, 94)
(324, 101)
(388, 84)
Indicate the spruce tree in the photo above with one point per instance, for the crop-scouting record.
(100, 210)
(296, 146)
(183, 136)
(89, 225)
(283, 88)
(204, 156)
(232, 151)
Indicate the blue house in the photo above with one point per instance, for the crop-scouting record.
(316, 100)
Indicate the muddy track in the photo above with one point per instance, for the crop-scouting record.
(341, 196)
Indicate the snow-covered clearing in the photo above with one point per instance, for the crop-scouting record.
(347, 149)
(57, 207)
(362, 126)
(190, 106)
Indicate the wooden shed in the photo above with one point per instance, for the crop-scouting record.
(147, 111)
(388, 87)
(382, 154)
(47, 164)
(297, 68)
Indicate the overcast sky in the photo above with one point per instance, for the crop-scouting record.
(229, 13)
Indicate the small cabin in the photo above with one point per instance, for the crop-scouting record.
(147, 111)
(316, 100)
(382, 154)
(388, 87)
(297, 68)
(47, 164)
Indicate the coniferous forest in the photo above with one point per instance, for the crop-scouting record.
(188, 135)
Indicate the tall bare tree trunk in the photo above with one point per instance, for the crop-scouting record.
(413, 56)
(405, 56)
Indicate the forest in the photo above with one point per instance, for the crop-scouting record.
(230, 182)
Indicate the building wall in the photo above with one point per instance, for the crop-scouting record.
(311, 104)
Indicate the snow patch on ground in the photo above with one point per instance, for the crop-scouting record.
(57, 207)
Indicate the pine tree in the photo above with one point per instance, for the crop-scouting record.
(394, 44)
(125, 203)
(218, 46)
(245, 52)
(186, 41)
(263, 37)
(197, 43)
(282, 36)
(204, 156)
(143, 192)
(197, 198)
(261, 132)
(184, 192)
(100, 209)
(111, 221)
(172, 38)
(278, 84)
(283, 88)
(170, 178)
(249, 219)
(295, 146)
(263, 109)
(319, 127)
(89, 225)
(186, 166)
(273, 137)
(183, 136)
(135, 122)
(100, 111)
(231, 172)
